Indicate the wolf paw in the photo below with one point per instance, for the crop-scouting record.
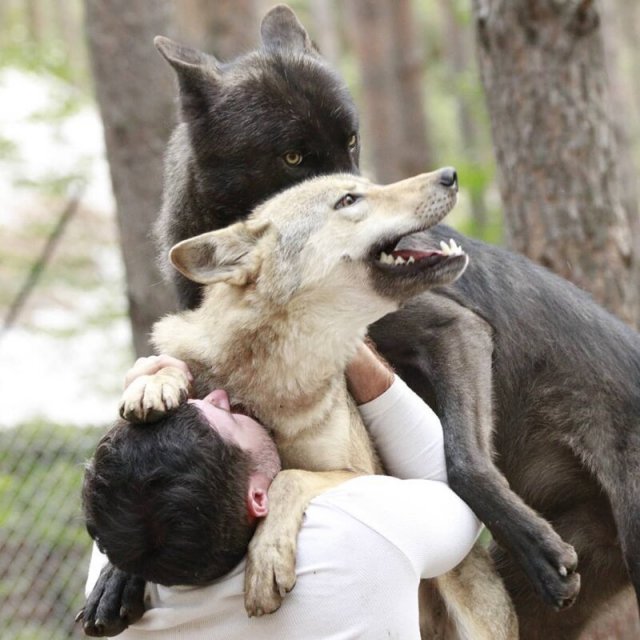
(149, 397)
(552, 568)
(117, 600)
(270, 574)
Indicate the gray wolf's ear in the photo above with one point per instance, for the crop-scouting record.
(281, 29)
(198, 72)
(226, 255)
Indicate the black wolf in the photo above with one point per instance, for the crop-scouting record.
(523, 368)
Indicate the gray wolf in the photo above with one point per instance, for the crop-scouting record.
(288, 296)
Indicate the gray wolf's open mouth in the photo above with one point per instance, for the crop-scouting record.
(390, 258)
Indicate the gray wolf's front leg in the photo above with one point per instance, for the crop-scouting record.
(449, 351)
(148, 397)
(116, 601)
(271, 559)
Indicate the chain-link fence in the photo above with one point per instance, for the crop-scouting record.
(44, 548)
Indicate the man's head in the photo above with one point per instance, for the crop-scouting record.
(176, 502)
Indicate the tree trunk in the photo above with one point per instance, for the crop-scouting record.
(225, 28)
(543, 68)
(35, 20)
(458, 50)
(625, 123)
(136, 99)
(391, 66)
(326, 36)
(69, 30)
(409, 69)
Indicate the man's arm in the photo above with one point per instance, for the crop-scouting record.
(405, 431)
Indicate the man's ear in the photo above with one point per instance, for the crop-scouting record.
(257, 501)
(281, 29)
(226, 255)
(198, 73)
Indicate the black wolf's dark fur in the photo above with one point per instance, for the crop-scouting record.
(563, 376)
(239, 121)
(509, 348)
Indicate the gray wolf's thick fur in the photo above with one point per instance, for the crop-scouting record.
(289, 295)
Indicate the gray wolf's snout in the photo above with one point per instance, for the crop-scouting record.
(449, 178)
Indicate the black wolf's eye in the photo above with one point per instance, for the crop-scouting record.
(292, 158)
(352, 142)
(347, 201)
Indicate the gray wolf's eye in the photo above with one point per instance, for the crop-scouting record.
(292, 158)
(352, 142)
(347, 201)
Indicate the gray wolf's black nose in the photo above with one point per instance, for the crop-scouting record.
(449, 177)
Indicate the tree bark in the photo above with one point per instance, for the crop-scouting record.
(458, 50)
(35, 20)
(225, 28)
(625, 123)
(326, 36)
(543, 68)
(409, 70)
(391, 66)
(136, 98)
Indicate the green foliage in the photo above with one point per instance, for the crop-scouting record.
(477, 180)
(49, 51)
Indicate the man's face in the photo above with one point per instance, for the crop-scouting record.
(244, 431)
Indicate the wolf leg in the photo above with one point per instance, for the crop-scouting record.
(449, 351)
(477, 600)
(611, 450)
(625, 503)
(149, 397)
(271, 558)
(590, 528)
(116, 601)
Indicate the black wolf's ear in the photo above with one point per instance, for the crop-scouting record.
(185, 59)
(197, 72)
(281, 29)
(225, 255)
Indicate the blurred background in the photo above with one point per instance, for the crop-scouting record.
(536, 103)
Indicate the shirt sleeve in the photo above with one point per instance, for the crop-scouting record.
(406, 433)
(424, 519)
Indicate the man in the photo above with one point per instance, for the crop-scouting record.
(362, 549)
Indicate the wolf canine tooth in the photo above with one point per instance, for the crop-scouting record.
(451, 249)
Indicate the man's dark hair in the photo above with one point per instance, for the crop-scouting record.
(167, 501)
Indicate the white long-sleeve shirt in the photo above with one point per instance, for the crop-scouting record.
(362, 549)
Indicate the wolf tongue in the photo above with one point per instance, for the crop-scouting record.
(416, 255)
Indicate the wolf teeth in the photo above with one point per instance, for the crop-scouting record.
(388, 259)
(451, 249)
